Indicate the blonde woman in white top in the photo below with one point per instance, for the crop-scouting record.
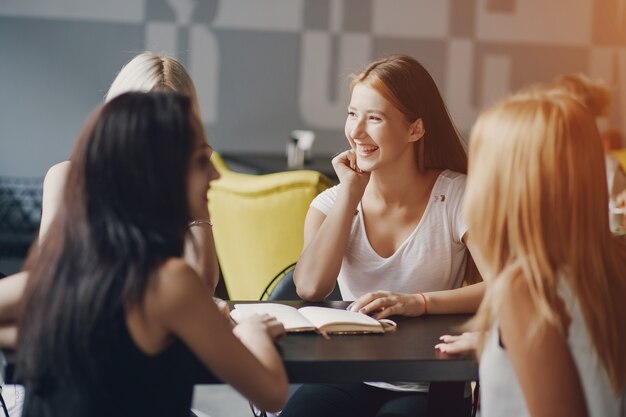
(556, 277)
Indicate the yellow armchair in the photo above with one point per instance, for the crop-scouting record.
(259, 224)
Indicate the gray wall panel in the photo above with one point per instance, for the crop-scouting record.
(265, 67)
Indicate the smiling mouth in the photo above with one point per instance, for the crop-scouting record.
(366, 150)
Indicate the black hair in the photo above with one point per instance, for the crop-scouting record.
(124, 212)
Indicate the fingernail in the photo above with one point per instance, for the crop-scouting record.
(362, 310)
(349, 308)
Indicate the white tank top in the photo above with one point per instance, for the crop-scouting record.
(501, 394)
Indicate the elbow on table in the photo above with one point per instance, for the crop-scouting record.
(310, 289)
(310, 295)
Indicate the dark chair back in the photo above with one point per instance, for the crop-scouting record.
(285, 289)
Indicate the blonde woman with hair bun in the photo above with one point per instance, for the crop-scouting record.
(552, 319)
(147, 71)
(150, 71)
(596, 97)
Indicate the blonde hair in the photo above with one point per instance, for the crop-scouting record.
(536, 198)
(594, 94)
(150, 71)
(407, 85)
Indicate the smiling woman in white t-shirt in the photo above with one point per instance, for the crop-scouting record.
(391, 234)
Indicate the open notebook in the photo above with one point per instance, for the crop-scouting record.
(322, 319)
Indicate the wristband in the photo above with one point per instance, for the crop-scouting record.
(425, 303)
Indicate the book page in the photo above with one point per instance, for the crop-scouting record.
(287, 315)
(337, 320)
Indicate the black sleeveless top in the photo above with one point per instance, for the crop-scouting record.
(130, 382)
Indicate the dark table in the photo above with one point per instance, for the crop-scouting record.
(405, 355)
(268, 163)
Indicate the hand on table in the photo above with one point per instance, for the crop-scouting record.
(259, 325)
(463, 343)
(382, 304)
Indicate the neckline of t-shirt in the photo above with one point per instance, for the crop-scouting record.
(417, 227)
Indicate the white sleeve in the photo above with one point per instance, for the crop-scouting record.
(325, 200)
(455, 198)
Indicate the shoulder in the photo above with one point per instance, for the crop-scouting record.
(512, 305)
(58, 171)
(510, 290)
(174, 284)
(450, 185)
(56, 175)
(454, 180)
(329, 193)
(325, 200)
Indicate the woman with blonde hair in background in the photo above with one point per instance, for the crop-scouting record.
(147, 71)
(536, 205)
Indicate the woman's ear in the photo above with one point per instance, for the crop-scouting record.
(416, 130)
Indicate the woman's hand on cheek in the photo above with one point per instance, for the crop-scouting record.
(345, 166)
(382, 304)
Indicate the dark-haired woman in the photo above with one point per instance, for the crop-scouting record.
(392, 233)
(112, 313)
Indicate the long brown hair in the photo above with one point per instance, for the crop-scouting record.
(406, 84)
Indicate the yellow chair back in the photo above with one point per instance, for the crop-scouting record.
(259, 224)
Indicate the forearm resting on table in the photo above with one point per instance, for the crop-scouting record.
(460, 300)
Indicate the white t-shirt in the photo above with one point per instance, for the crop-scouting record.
(501, 394)
(432, 258)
